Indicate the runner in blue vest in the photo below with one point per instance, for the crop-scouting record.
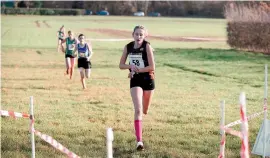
(84, 55)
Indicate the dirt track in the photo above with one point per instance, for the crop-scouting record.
(127, 34)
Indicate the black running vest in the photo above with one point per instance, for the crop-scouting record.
(138, 51)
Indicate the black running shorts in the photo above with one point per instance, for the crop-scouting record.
(82, 62)
(142, 80)
(69, 56)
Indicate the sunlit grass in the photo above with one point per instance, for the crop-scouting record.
(183, 120)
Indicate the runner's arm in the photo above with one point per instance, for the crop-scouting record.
(122, 64)
(63, 41)
(75, 49)
(64, 33)
(89, 44)
(90, 50)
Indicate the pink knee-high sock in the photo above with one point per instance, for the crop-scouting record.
(138, 129)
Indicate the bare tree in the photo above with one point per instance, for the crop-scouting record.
(146, 7)
(16, 2)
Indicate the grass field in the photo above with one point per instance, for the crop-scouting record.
(191, 80)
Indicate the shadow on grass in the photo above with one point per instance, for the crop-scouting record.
(215, 54)
(254, 61)
(28, 88)
(95, 102)
(39, 52)
(49, 66)
(24, 79)
(105, 66)
(238, 80)
(56, 66)
(17, 88)
(118, 152)
(191, 70)
(257, 86)
(127, 153)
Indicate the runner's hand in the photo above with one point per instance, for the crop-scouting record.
(130, 75)
(73, 46)
(134, 68)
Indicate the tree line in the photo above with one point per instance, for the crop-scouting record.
(212, 9)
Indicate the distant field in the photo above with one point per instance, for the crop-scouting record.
(192, 77)
(25, 32)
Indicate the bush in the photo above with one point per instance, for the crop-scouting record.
(47, 12)
(249, 31)
(42, 11)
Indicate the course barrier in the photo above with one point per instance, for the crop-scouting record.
(33, 132)
(243, 134)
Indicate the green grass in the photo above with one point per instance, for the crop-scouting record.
(191, 80)
(25, 33)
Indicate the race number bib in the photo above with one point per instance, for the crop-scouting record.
(71, 47)
(82, 55)
(136, 59)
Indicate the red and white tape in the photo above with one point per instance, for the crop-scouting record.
(244, 127)
(45, 137)
(222, 146)
(13, 114)
(55, 144)
(248, 118)
(265, 104)
(233, 132)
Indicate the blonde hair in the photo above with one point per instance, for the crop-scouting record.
(142, 28)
